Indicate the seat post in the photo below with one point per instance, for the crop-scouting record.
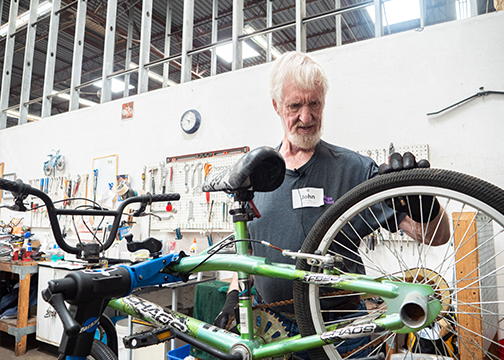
(241, 216)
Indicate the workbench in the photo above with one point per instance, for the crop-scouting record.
(23, 324)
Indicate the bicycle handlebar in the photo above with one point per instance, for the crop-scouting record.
(21, 190)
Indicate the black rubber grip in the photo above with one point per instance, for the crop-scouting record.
(9, 185)
(166, 197)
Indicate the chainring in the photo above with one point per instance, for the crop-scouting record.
(267, 326)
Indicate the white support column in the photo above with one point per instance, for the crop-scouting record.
(237, 31)
(474, 7)
(129, 42)
(378, 18)
(422, 14)
(50, 65)
(166, 66)
(339, 30)
(300, 27)
(108, 51)
(145, 36)
(7, 68)
(269, 36)
(78, 52)
(31, 32)
(215, 37)
(187, 40)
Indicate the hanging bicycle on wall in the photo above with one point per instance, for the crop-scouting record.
(55, 163)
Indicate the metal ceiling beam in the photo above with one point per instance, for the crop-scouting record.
(8, 59)
(145, 38)
(337, 24)
(1, 10)
(300, 26)
(129, 41)
(215, 36)
(236, 32)
(108, 51)
(378, 18)
(78, 53)
(52, 46)
(28, 62)
(166, 66)
(187, 40)
(269, 23)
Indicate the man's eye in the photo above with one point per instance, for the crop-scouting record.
(295, 107)
(315, 103)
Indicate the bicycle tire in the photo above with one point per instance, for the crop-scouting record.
(99, 351)
(453, 190)
(107, 327)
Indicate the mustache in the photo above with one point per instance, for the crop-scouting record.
(299, 124)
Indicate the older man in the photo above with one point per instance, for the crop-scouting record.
(316, 170)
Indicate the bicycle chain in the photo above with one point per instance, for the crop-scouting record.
(285, 302)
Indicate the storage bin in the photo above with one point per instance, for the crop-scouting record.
(179, 353)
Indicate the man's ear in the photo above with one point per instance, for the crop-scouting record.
(275, 105)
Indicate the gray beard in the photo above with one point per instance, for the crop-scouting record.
(305, 142)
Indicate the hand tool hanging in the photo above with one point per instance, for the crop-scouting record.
(153, 172)
(169, 206)
(95, 183)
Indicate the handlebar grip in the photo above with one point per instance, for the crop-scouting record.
(165, 197)
(12, 186)
(72, 327)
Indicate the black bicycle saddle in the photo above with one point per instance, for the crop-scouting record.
(262, 169)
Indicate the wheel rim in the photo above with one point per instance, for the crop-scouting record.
(474, 342)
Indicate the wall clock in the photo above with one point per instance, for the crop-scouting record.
(190, 121)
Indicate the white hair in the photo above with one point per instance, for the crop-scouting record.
(301, 70)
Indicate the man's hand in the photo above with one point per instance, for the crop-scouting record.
(227, 311)
(416, 206)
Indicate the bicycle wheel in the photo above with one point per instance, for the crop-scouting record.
(99, 351)
(107, 333)
(466, 272)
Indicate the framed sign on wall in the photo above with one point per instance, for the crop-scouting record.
(7, 194)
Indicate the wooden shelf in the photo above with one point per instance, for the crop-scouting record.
(23, 324)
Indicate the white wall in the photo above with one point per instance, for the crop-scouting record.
(380, 92)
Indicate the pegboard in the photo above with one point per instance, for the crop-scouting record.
(58, 188)
(184, 175)
(380, 156)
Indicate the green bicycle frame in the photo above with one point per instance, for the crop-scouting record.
(397, 296)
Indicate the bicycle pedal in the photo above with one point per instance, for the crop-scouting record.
(147, 338)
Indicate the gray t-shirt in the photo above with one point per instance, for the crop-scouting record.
(334, 169)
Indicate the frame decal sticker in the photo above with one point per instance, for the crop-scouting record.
(351, 332)
(323, 279)
(150, 310)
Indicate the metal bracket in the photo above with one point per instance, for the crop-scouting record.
(20, 332)
(23, 270)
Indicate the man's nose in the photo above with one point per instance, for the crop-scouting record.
(305, 114)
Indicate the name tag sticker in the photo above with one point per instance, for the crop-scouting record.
(307, 197)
